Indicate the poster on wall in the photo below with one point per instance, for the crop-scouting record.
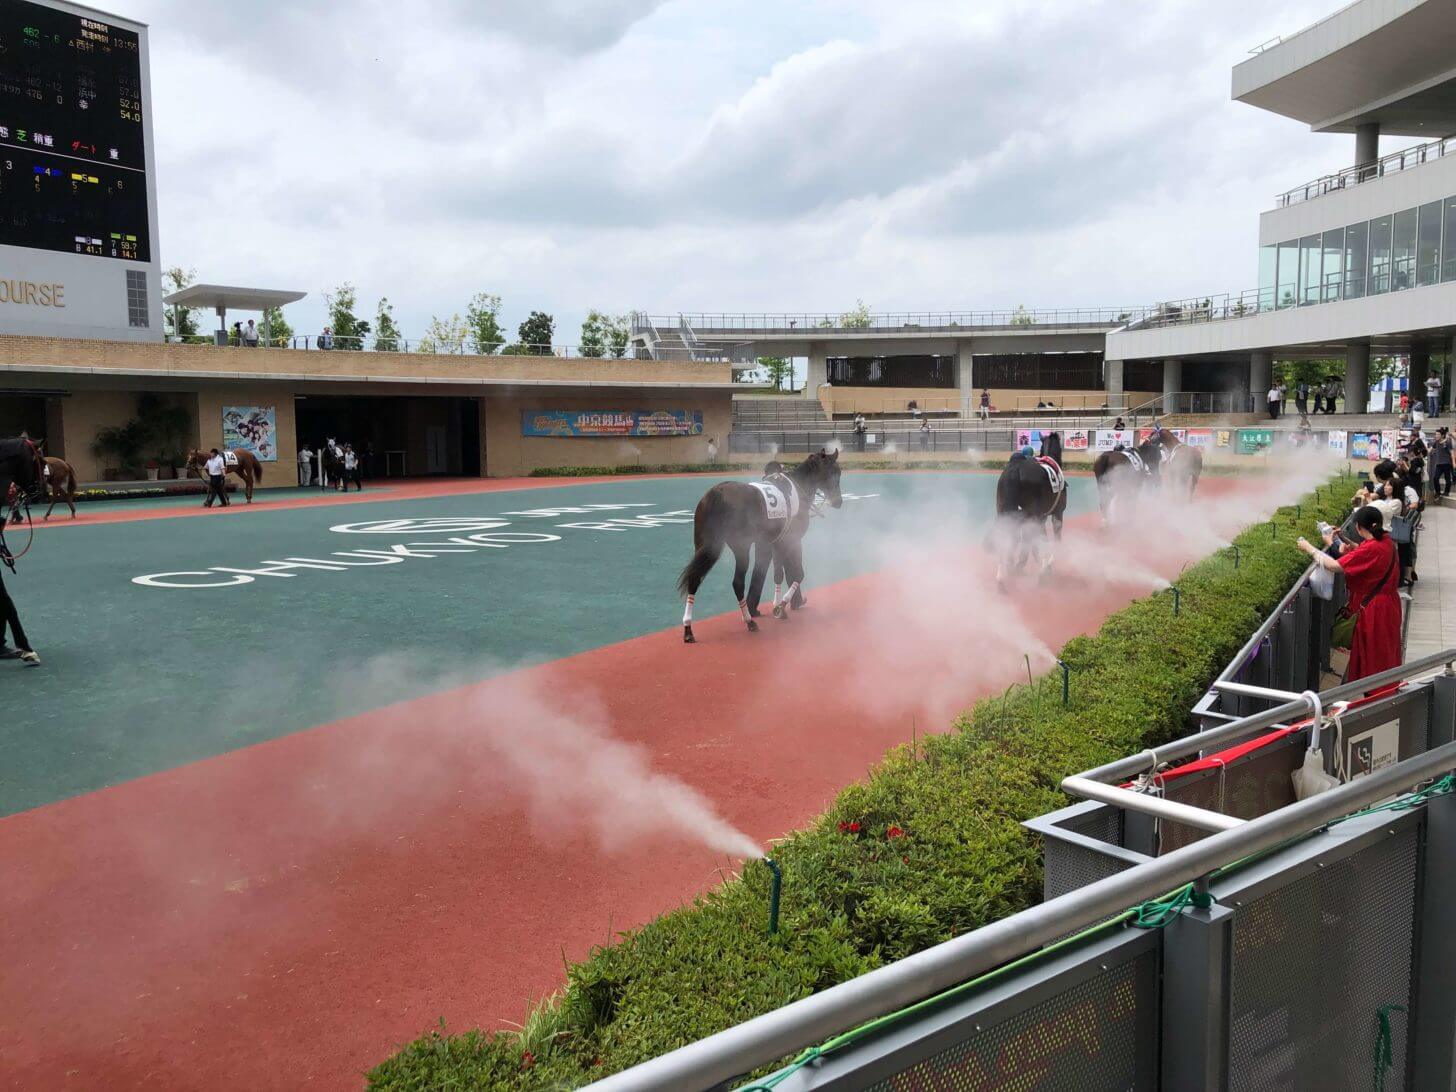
(1108, 438)
(1028, 437)
(1337, 441)
(1223, 437)
(1076, 439)
(1199, 437)
(1389, 440)
(599, 423)
(1360, 445)
(1254, 440)
(251, 428)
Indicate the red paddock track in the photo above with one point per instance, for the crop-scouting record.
(286, 914)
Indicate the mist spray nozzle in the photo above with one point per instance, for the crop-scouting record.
(775, 890)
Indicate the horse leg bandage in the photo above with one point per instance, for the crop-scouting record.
(688, 612)
(777, 590)
(743, 606)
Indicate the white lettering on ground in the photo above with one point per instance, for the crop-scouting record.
(441, 525)
(163, 580)
(623, 523)
(576, 510)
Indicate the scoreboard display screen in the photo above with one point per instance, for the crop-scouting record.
(72, 161)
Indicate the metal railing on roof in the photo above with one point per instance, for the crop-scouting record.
(721, 353)
(806, 323)
(1394, 163)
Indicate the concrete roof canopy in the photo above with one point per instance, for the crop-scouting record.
(221, 297)
(1386, 62)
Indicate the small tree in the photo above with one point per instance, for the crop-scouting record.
(858, 319)
(776, 368)
(482, 317)
(444, 335)
(342, 320)
(174, 280)
(1022, 317)
(386, 333)
(279, 332)
(604, 335)
(536, 334)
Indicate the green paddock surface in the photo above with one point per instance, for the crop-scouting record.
(143, 677)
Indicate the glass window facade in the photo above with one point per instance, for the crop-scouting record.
(1333, 266)
(1288, 279)
(1403, 251)
(911, 370)
(1408, 249)
(1377, 271)
(1357, 242)
(1309, 269)
(1428, 245)
(1268, 265)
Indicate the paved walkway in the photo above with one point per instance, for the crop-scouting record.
(1432, 609)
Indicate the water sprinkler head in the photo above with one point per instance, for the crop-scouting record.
(775, 890)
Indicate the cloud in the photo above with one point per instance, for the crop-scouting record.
(664, 155)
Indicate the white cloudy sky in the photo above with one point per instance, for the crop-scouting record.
(718, 154)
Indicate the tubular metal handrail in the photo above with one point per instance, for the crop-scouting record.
(1403, 160)
(775, 1035)
(807, 324)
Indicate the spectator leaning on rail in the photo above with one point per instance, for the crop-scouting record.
(1370, 581)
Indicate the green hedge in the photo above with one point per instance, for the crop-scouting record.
(928, 847)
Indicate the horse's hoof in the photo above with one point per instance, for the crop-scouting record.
(688, 638)
(752, 626)
(779, 612)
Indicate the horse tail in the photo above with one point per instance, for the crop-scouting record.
(257, 469)
(704, 558)
(708, 543)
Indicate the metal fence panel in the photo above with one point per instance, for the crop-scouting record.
(1322, 966)
(1082, 1022)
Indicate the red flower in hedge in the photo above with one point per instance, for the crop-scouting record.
(527, 1060)
(849, 828)
(894, 832)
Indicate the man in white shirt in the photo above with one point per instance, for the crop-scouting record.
(305, 466)
(1276, 399)
(250, 335)
(351, 469)
(1433, 395)
(216, 469)
(712, 449)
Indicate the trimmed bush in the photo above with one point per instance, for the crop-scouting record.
(929, 846)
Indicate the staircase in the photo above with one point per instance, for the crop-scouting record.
(768, 414)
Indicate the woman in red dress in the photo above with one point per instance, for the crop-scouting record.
(1372, 580)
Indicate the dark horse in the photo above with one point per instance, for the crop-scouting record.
(1123, 472)
(768, 518)
(22, 469)
(1182, 464)
(1028, 493)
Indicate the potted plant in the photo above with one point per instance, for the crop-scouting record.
(154, 470)
(178, 462)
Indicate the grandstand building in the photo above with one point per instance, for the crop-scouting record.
(1360, 261)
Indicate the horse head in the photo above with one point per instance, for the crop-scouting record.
(825, 476)
(30, 471)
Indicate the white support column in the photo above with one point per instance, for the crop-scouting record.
(1112, 384)
(1172, 384)
(966, 379)
(818, 370)
(1261, 374)
(1357, 377)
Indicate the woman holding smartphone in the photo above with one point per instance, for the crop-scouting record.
(1371, 580)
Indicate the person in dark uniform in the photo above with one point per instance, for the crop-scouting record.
(10, 617)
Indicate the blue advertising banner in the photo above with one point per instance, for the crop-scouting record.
(598, 423)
